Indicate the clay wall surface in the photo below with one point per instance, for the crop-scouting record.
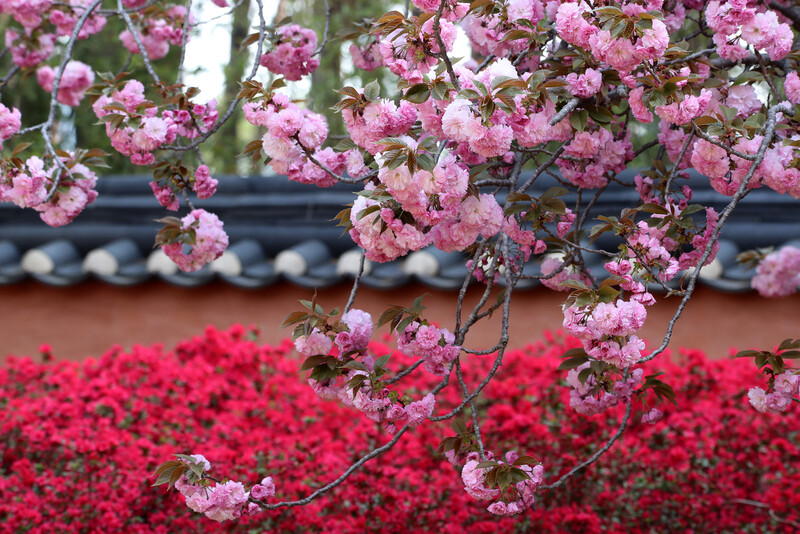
(87, 319)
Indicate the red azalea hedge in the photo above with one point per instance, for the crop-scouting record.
(78, 441)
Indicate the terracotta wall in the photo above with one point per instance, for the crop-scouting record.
(87, 319)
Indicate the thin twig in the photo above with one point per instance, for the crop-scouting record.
(463, 291)
(232, 107)
(321, 47)
(542, 168)
(485, 63)
(350, 470)
(338, 177)
(356, 282)
(142, 50)
(767, 77)
(500, 353)
(563, 112)
(51, 115)
(593, 458)
(407, 371)
(702, 53)
(437, 34)
(740, 193)
(676, 164)
(646, 147)
(476, 427)
(729, 150)
(765, 506)
(184, 37)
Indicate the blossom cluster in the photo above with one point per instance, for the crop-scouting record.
(357, 383)
(292, 53)
(527, 121)
(784, 390)
(607, 330)
(77, 78)
(294, 134)
(593, 156)
(377, 120)
(623, 54)
(778, 274)
(158, 31)
(607, 327)
(411, 53)
(10, 122)
(42, 22)
(434, 345)
(222, 501)
(28, 184)
(474, 477)
(556, 274)
(488, 34)
(736, 25)
(728, 171)
(137, 129)
(591, 398)
(199, 240)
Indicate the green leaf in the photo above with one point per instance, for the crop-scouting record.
(584, 375)
(789, 344)
(692, 208)
(607, 294)
(368, 211)
(344, 145)
(356, 381)
(323, 372)
(425, 162)
(389, 314)
(468, 94)
(314, 361)
(176, 475)
(572, 363)
(294, 317)
(491, 479)
(601, 115)
(316, 308)
(448, 444)
(418, 93)
(402, 325)
(579, 120)
(584, 299)
(653, 208)
(357, 365)
(518, 475)
(747, 354)
(417, 307)
(576, 284)
(382, 361)
(458, 426)
(578, 351)
(555, 205)
(372, 91)
(166, 465)
(487, 464)
(518, 197)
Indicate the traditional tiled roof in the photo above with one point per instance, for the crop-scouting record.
(281, 230)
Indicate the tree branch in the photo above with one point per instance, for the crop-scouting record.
(769, 132)
(593, 458)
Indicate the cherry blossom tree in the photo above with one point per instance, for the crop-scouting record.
(450, 154)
